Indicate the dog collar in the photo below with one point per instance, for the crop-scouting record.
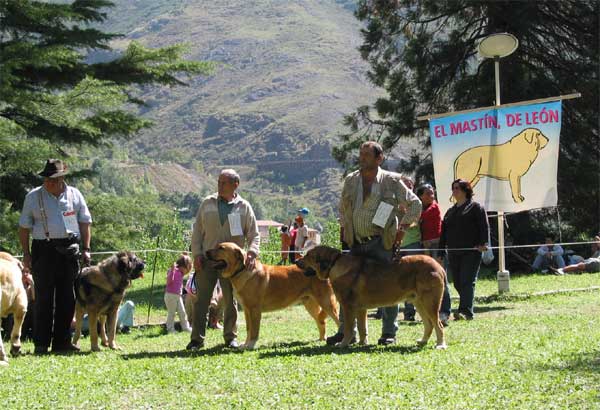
(238, 271)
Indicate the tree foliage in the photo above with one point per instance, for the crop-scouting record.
(424, 54)
(54, 99)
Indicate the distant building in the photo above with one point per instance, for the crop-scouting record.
(264, 226)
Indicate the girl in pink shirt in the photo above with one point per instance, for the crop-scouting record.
(173, 299)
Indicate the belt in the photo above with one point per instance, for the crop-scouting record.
(368, 239)
(59, 241)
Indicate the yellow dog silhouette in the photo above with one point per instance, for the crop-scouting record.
(506, 162)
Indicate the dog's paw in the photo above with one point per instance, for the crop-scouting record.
(15, 351)
(247, 346)
(421, 342)
(114, 346)
(442, 346)
(105, 343)
(95, 349)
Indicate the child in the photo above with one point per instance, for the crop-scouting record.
(173, 299)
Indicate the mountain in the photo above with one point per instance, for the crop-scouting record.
(288, 72)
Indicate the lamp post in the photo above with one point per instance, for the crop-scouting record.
(497, 46)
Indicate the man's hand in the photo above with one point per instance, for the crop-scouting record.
(86, 258)
(250, 261)
(26, 263)
(198, 263)
(27, 280)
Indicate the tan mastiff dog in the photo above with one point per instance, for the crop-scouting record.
(505, 162)
(13, 299)
(268, 288)
(360, 283)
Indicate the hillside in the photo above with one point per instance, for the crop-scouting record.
(289, 72)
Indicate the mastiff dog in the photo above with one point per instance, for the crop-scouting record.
(99, 290)
(360, 283)
(267, 288)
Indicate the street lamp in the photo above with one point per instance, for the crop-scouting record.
(497, 46)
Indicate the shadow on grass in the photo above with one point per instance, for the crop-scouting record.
(485, 309)
(578, 363)
(327, 350)
(212, 351)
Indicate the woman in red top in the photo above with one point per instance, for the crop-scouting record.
(431, 219)
(431, 230)
(293, 232)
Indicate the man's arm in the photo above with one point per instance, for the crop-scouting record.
(86, 235)
(24, 240)
(411, 202)
(252, 238)
(197, 240)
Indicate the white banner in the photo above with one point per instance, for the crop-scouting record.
(510, 156)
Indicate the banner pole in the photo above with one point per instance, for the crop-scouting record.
(503, 275)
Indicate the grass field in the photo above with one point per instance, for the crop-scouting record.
(521, 352)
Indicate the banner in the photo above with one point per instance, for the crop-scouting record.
(510, 156)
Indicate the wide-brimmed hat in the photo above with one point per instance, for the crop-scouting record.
(54, 168)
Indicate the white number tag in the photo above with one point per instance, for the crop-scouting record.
(70, 220)
(235, 224)
(383, 213)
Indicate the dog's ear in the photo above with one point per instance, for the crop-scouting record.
(529, 134)
(240, 255)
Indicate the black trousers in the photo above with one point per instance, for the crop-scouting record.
(464, 268)
(54, 275)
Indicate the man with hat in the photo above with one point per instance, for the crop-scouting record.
(58, 219)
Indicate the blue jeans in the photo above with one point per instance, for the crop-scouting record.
(543, 262)
(446, 307)
(464, 267)
(374, 250)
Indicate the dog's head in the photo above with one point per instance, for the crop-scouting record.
(319, 261)
(535, 137)
(227, 258)
(129, 264)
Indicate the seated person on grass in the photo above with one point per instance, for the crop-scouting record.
(548, 256)
(590, 265)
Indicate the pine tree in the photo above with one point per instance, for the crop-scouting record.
(51, 96)
(424, 54)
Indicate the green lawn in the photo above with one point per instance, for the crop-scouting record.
(519, 353)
